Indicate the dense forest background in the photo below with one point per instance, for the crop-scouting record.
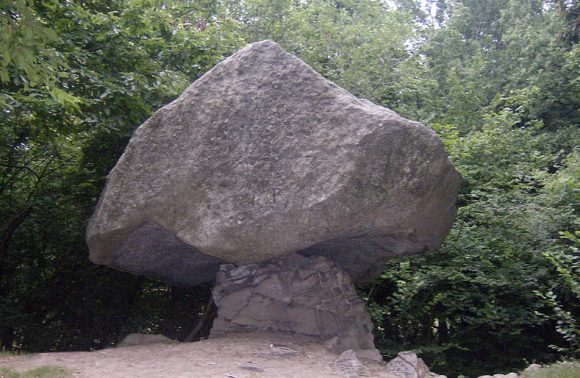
(498, 80)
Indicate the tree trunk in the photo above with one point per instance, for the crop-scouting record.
(209, 309)
(6, 238)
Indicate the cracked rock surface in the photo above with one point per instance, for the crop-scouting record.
(296, 294)
(408, 365)
(262, 157)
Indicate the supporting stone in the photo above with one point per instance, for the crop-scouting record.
(304, 295)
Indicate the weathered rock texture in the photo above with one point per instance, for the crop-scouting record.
(408, 365)
(350, 366)
(305, 295)
(262, 157)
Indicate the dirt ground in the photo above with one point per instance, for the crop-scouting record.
(233, 356)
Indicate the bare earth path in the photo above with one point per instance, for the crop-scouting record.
(235, 356)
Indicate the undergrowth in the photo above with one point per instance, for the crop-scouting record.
(41, 372)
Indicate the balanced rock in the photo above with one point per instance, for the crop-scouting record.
(262, 157)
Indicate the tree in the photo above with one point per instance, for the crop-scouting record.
(109, 64)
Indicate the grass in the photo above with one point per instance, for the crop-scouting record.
(41, 372)
(560, 370)
(11, 353)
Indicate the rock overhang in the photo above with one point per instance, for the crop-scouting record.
(262, 157)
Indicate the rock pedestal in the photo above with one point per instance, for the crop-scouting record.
(306, 295)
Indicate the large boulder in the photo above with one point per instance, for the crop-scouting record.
(262, 157)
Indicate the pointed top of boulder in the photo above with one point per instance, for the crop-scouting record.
(262, 157)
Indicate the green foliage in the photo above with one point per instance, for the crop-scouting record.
(106, 66)
(41, 372)
(559, 370)
(472, 300)
(25, 46)
(563, 299)
(8, 373)
(5, 353)
(504, 286)
(356, 44)
(502, 289)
